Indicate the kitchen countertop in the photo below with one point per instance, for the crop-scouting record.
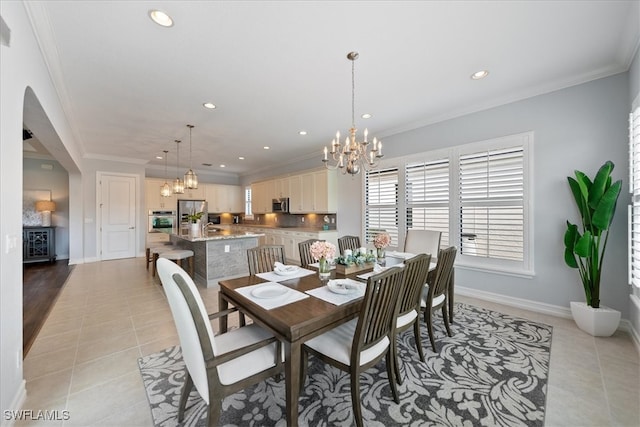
(221, 234)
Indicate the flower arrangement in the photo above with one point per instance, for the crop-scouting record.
(358, 258)
(382, 240)
(322, 249)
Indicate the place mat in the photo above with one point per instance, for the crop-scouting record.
(268, 303)
(325, 294)
(274, 277)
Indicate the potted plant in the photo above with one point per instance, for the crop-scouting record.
(585, 246)
(193, 219)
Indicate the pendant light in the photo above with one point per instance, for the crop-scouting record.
(178, 185)
(165, 189)
(190, 178)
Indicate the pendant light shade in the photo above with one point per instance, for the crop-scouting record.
(178, 185)
(190, 178)
(165, 189)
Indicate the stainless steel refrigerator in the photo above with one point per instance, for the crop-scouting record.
(190, 207)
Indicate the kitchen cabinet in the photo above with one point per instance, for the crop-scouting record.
(192, 194)
(39, 244)
(313, 192)
(224, 198)
(154, 201)
(281, 188)
(260, 199)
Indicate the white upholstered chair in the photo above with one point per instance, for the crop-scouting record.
(220, 365)
(423, 242)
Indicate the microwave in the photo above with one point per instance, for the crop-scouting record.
(280, 205)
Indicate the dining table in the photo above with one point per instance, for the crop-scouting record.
(303, 316)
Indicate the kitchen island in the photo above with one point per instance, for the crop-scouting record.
(219, 254)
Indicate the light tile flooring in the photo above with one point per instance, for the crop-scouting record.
(111, 313)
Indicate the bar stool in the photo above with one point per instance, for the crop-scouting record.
(177, 255)
(150, 250)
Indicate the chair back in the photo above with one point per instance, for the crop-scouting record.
(191, 320)
(262, 258)
(442, 275)
(379, 311)
(416, 270)
(348, 242)
(305, 252)
(423, 242)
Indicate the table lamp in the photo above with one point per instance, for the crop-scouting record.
(46, 207)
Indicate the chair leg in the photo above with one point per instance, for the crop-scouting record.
(390, 373)
(148, 256)
(355, 398)
(191, 270)
(184, 396)
(154, 264)
(427, 318)
(396, 365)
(445, 317)
(304, 360)
(416, 333)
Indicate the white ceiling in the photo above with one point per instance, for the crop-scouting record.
(273, 68)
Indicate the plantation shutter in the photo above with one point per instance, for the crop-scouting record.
(492, 204)
(634, 188)
(381, 198)
(427, 197)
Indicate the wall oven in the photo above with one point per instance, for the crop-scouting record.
(162, 222)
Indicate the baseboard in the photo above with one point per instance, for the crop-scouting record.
(16, 404)
(538, 307)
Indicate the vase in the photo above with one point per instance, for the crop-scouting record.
(324, 269)
(381, 256)
(194, 230)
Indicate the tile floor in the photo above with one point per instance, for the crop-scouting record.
(111, 313)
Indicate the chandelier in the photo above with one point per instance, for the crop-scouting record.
(354, 155)
(165, 189)
(178, 185)
(190, 178)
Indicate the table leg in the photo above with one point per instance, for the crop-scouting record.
(292, 380)
(223, 304)
(450, 295)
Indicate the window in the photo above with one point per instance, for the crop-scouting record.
(381, 199)
(491, 195)
(247, 202)
(634, 188)
(427, 195)
(477, 195)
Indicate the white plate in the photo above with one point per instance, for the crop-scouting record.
(269, 291)
(287, 270)
(341, 287)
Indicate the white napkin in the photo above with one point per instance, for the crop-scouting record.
(376, 269)
(290, 296)
(272, 276)
(325, 294)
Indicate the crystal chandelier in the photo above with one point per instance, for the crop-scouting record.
(165, 189)
(190, 178)
(354, 155)
(178, 185)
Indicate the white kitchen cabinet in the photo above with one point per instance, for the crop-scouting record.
(325, 188)
(259, 203)
(282, 188)
(313, 192)
(192, 194)
(153, 200)
(224, 198)
(295, 194)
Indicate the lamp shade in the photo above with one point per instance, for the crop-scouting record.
(45, 206)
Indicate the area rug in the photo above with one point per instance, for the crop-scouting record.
(493, 371)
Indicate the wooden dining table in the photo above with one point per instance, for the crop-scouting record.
(293, 323)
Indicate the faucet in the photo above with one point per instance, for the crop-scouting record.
(205, 228)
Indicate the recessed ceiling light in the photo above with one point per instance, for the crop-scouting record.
(479, 75)
(302, 132)
(161, 18)
(366, 116)
(266, 148)
(209, 105)
(223, 166)
(159, 157)
(240, 158)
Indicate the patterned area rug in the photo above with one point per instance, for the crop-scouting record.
(493, 371)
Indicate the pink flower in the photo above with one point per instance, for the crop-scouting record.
(324, 250)
(382, 240)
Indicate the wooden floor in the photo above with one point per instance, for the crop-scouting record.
(41, 284)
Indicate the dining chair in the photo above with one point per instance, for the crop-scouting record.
(216, 365)
(262, 258)
(436, 294)
(348, 242)
(423, 242)
(305, 252)
(415, 276)
(361, 343)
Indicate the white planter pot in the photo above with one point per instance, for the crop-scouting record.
(599, 322)
(194, 229)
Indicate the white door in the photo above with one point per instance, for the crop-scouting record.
(117, 216)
